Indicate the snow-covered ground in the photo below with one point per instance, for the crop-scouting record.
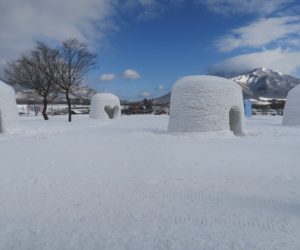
(130, 185)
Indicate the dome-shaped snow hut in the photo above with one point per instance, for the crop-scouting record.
(206, 103)
(105, 106)
(8, 108)
(291, 113)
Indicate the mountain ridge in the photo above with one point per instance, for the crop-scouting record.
(256, 83)
(264, 82)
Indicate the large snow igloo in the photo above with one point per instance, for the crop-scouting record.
(8, 108)
(291, 113)
(206, 103)
(105, 106)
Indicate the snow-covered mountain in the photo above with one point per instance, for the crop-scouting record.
(257, 83)
(260, 82)
(266, 83)
(163, 100)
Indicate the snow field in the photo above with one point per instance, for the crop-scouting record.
(131, 185)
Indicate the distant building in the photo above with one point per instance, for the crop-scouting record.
(206, 103)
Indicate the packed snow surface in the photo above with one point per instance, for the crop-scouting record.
(8, 108)
(291, 114)
(105, 106)
(204, 103)
(130, 184)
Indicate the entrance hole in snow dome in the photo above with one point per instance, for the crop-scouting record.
(235, 121)
(111, 112)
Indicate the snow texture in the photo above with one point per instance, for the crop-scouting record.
(8, 108)
(105, 106)
(206, 103)
(63, 187)
(291, 114)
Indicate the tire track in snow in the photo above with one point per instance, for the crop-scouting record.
(268, 180)
(269, 225)
(261, 225)
(195, 197)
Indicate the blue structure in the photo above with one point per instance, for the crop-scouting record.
(248, 108)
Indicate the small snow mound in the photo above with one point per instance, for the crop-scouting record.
(105, 106)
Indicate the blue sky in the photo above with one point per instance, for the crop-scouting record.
(161, 50)
(144, 46)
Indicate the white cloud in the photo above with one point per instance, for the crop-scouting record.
(277, 59)
(261, 33)
(147, 3)
(160, 87)
(22, 22)
(129, 4)
(131, 74)
(226, 7)
(143, 9)
(145, 94)
(293, 42)
(107, 77)
(149, 9)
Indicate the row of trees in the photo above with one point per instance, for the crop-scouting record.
(48, 71)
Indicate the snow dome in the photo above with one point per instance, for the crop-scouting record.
(291, 113)
(105, 106)
(206, 103)
(8, 108)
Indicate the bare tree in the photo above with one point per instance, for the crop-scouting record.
(75, 61)
(45, 70)
(33, 72)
